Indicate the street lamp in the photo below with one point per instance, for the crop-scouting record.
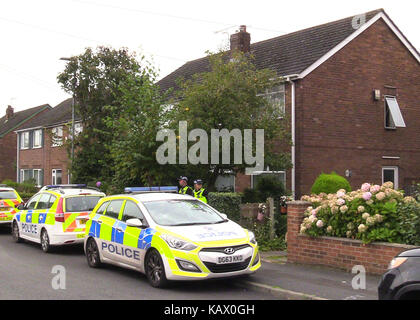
(72, 123)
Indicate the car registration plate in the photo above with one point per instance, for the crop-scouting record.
(230, 259)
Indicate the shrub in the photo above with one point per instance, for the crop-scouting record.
(227, 203)
(373, 213)
(25, 189)
(330, 183)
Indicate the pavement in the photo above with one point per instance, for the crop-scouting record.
(302, 282)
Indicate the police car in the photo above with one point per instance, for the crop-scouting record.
(168, 236)
(56, 215)
(9, 201)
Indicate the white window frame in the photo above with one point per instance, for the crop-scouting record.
(34, 145)
(54, 176)
(57, 139)
(78, 128)
(22, 140)
(22, 174)
(389, 110)
(272, 91)
(396, 175)
(38, 180)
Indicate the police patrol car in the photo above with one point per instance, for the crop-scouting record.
(56, 215)
(168, 236)
(9, 201)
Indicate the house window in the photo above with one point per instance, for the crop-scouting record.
(276, 96)
(24, 140)
(390, 174)
(393, 116)
(37, 139)
(57, 136)
(225, 183)
(25, 175)
(256, 177)
(56, 176)
(37, 176)
(78, 128)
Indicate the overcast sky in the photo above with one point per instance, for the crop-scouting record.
(35, 34)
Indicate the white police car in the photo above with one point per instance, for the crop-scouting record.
(56, 215)
(168, 236)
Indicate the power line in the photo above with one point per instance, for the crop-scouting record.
(167, 15)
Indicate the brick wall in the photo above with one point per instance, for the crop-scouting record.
(47, 158)
(335, 252)
(8, 157)
(339, 124)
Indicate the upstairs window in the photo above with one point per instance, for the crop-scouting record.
(57, 136)
(276, 96)
(37, 139)
(393, 116)
(24, 140)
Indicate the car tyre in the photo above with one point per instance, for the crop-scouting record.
(45, 241)
(155, 270)
(92, 254)
(15, 232)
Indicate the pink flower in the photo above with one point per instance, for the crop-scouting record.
(314, 212)
(340, 194)
(320, 224)
(98, 184)
(365, 187)
(367, 196)
(375, 189)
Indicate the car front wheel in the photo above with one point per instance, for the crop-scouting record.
(92, 254)
(155, 270)
(15, 232)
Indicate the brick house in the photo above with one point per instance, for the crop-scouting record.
(42, 153)
(8, 141)
(350, 89)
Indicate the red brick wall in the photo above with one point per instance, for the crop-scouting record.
(334, 252)
(47, 158)
(340, 126)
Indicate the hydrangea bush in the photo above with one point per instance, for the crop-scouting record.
(371, 213)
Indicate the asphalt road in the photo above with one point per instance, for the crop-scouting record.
(26, 273)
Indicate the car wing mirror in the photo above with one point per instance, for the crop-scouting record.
(21, 206)
(224, 216)
(136, 223)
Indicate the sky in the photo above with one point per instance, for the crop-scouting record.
(36, 34)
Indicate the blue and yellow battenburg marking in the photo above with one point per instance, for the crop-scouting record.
(120, 233)
(31, 216)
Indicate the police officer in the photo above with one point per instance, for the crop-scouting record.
(183, 186)
(199, 192)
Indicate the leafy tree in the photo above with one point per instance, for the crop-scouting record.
(109, 87)
(230, 96)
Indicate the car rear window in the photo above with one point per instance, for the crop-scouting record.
(7, 194)
(81, 203)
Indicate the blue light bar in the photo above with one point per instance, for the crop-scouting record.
(150, 189)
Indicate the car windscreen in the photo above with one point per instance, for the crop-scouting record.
(81, 203)
(182, 212)
(7, 194)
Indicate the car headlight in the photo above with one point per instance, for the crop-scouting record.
(396, 262)
(252, 237)
(178, 243)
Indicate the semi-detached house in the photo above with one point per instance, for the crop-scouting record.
(42, 154)
(351, 88)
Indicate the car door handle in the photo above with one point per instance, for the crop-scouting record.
(100, 222)
(119, 230)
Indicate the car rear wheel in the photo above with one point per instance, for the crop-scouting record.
(155, 270)
(45, 241)
(15, 232)
(92, 254)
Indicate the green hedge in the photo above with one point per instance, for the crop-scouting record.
(330, 183)
(227, 203)
(25, 189)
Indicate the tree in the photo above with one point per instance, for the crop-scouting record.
(231, 96)
(110, 86)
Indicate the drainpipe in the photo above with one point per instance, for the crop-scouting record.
(291, 79)
(17, 157)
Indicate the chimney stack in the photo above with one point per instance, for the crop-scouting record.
(9, 112)
(241, 40)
